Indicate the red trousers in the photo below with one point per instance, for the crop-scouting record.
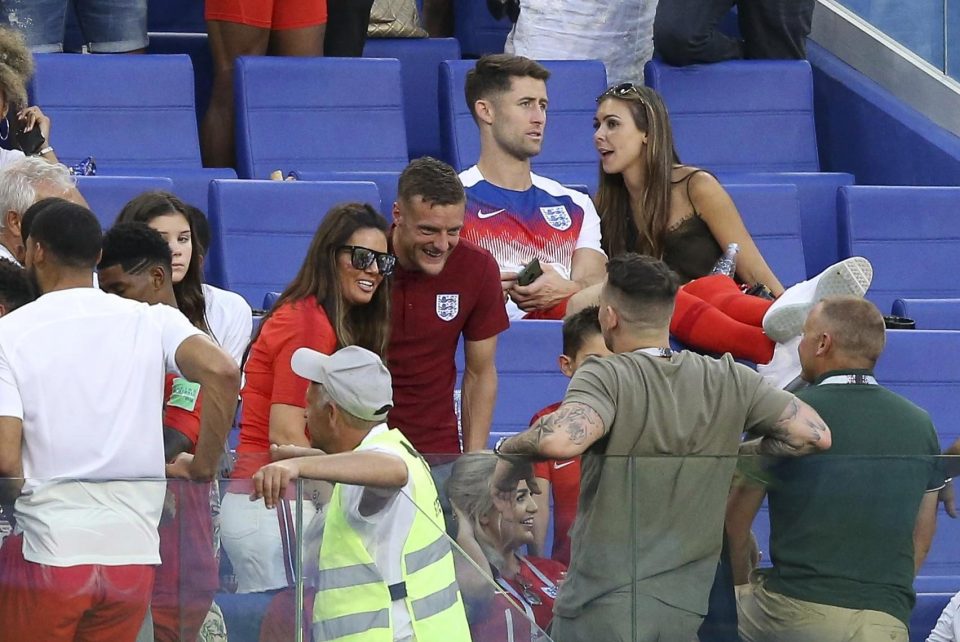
(86, 603)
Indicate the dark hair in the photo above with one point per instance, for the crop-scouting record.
(643, 286)
(15, 288)
(495, 74)
(68, 231)
(433, 180)
(367, 326)
(578, 327)
(189, 292)
(201, 229)
(135, 247)
(618, 228)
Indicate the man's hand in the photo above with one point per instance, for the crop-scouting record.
(271, 481)
(507, 281)
(289, 451)
(948, 498)
(179, 468)
(510, 471)
(548, 290)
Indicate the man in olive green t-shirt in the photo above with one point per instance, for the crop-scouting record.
(849, 528)
(658, 431)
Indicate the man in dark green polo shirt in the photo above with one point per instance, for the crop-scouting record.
(842, 522)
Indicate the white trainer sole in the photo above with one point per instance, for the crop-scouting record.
(850, 277)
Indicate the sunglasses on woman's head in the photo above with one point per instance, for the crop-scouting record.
(623, 90)
(362, 257)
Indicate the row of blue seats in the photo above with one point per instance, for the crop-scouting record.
(136, 117)
(912, 262)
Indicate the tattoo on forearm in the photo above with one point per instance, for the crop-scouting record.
(576, 421)
(780, 440)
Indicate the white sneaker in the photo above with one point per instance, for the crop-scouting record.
(784, 367)
(784, 320)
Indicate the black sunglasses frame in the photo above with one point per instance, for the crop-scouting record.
(363, 257)
(622, 90)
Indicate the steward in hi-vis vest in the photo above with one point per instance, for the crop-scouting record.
(386, 567)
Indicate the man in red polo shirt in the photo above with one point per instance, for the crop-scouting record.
(443, 287)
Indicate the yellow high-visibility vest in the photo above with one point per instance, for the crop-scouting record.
(353, 602)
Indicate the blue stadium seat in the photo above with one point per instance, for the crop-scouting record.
(386, 184)
(125, 111)
(741, 115)
(191, 185)
(921, 366)
(568, 154)
(527, 373)
(817, 193)
(476, 29)
(772, 216)
(107, 195)
(930, 314)
(910, 234)
(319, 114)
(260, 230)
(269, 299)
(420, 60)
(925, 614)
(194, 45)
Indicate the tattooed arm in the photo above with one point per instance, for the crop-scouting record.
(798, 431)
(562, 434)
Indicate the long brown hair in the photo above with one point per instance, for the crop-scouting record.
(367, 326)
(189, 292)
(619, 231)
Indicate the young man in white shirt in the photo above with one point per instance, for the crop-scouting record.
(81, 385)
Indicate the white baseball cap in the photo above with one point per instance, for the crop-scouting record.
(354, 378)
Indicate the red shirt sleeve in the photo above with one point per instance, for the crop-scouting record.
(178, 414)
(304, 325)
(489, 316)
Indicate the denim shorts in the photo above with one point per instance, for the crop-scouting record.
(108, 26)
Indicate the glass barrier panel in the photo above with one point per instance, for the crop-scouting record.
(922, 26)
(657, 543)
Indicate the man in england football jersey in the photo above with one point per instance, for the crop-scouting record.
(515, 214)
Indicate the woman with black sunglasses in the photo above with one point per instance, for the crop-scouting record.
(339, 297)
(652, 204)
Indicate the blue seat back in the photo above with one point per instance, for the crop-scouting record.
(318, 114)
(772, 216)
(528, 377)
(386, 184)
(930, 314)
(476, 29)
(568, 155)
(125, 111)
(910, 234)
(817, 196)
(190, 184)
(919, 365)
(754, 115)
(194, 45)
(261, 230)
(106, 195)
(420, 60)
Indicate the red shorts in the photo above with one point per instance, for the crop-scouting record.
(87, 602)
(269, 14)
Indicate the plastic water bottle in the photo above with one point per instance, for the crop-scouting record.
(727, 264)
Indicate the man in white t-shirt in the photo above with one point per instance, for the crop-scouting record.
(518, 215)
(23, 182)
(81, 386)
(384, 545)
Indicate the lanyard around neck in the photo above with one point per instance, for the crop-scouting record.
(858, 379)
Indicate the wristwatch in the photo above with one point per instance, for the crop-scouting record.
(496, 446)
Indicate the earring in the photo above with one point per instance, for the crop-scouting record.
(6, 132)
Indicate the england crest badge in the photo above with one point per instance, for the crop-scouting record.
(557, 217)
(448, 306)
